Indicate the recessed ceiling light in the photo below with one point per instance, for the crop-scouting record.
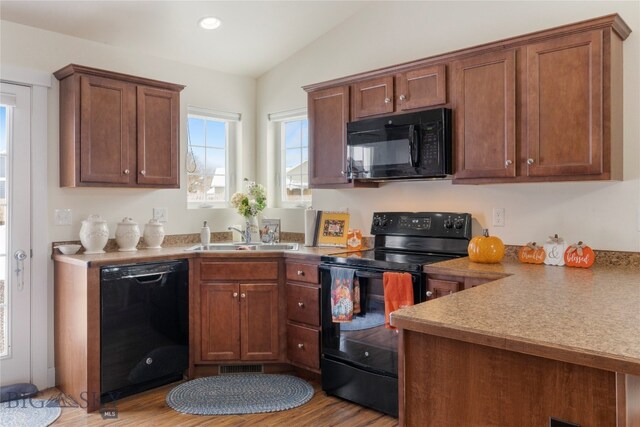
(210, 23)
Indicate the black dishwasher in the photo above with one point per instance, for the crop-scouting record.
(144, 324)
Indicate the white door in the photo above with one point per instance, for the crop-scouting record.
(15, 234)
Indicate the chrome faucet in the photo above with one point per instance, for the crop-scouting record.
(246, 234)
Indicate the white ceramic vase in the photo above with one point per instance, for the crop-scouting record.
(153, 234)
(127, 235)
(94, 234)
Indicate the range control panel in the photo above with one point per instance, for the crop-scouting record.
(428, 224)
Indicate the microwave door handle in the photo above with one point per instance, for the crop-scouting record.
(413, 146)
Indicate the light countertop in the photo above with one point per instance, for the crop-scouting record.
(584, 316)
(180, 252)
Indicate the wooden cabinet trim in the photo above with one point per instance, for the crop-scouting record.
(303, 346)
(75, 69)
(303, 304)
(220, 321)
(408, 100)
(372, 97)
(612, 21)
(301, 272)
(259, 321)
(239, 270)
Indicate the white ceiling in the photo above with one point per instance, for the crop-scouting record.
(254, 37)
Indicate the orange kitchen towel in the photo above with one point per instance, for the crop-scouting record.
(398, 293)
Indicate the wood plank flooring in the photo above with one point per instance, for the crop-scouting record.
(150, 409)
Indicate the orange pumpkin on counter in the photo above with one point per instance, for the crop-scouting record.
(579, 255)
(531, 253)
(486, 249)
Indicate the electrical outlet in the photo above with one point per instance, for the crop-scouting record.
(498, 217)
(161, 214)
(62, 217)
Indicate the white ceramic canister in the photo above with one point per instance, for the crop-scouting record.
(127, 235)
(153, 234)
(94, 234)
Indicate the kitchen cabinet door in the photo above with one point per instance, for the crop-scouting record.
(328, 116)
(372, 97)
(107, 131)
(259, 321)
(565, 106)
(437, 288)
(423, 87)
(485, 115)
(220, 321)
(158, 137)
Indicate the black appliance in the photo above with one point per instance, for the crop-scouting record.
(144, 326)
(360, 359)
(405, 146)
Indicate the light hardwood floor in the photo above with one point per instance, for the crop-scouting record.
(150, 409)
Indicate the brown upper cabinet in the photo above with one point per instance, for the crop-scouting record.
(545, 106)
(410, 90)
(118, 130)
(485, 115)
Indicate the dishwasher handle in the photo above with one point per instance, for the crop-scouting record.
(155, 273)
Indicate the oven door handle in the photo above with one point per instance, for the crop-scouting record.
(367, 275)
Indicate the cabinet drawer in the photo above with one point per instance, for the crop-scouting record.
(303, 346)
(251, 270)
(302, 272)
(303, 304)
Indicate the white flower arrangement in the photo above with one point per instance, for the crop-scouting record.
(252, 201)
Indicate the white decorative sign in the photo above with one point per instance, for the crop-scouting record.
(554, 250)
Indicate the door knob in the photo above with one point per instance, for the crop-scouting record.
(235, 295)
(243, 295)
(300, 345)
(126, 171)
(387, 100)
(508, 162)
(301, 304)
(300, 273)
(429, 293)
(402, 97)
(20, 256)
(530, 161)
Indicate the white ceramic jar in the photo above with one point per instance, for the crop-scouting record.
(94, 234)
(153, 234)
(127, 235)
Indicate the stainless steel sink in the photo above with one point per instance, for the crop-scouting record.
(242, 246)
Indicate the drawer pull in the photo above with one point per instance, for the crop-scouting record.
(243, 295)
(300, 345)
(300, 273)
(301, 304)
(235, 295)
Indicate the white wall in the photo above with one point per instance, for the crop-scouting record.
(603, 214)
(41, 50)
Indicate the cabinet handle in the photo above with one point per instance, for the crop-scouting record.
(530, 161)
(343, 172)
(126, 171)
(300, 273)
(508, 162)
(243, 295)
(402, 97)
(143, 172)
(235, 295)
(429, 293)
(387, 100)
(300, 345)
(301, 304)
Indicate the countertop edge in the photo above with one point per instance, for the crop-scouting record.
(579, 356)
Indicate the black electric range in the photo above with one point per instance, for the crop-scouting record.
(359, 358)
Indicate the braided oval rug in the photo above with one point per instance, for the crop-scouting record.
(239, 394)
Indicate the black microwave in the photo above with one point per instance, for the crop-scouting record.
(404, 146)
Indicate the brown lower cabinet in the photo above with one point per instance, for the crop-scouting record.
(440, 285)
(467, 384)
(236, 311)
(303, 315)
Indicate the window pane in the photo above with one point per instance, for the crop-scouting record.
(292, 134)
(197, 156)
(215, 161)
(293, 158)
(196, 131)
(216, 134)
(305, 133)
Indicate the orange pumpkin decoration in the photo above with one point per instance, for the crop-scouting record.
(354, 239)
(579, 255)
(531, 253)
(486, 249)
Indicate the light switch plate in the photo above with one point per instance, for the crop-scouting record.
(62, 217)
(161, 214)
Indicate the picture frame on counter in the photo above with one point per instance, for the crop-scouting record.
(331, 229)
(269, 225)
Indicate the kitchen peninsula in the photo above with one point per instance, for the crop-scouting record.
(542, 342)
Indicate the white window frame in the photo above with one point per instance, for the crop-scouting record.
(232, 121)
(279, 120)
